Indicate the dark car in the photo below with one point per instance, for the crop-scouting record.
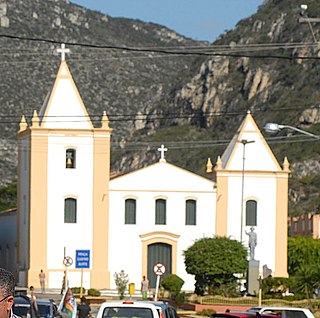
(47, 308)
(22, 306)
(167, 310)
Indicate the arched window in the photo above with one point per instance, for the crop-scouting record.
(251, 213)
(130, 211)
(160, 211)
(191, 212)
(70, 158)
(70, 210)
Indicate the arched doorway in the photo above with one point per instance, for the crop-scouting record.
(159, 253)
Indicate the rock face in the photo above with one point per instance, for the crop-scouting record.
(262, 65)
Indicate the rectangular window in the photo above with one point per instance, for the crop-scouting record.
(130, 211)
(191, 212)
(251, 213)
(70, 210)
(160, 211)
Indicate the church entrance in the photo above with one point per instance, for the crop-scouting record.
(159, 253)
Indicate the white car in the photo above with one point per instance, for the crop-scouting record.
(284, 312)
(127, 309)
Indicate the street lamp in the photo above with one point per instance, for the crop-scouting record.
(244, 142)
(272, 128)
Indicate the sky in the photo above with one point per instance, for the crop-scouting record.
(197, 19)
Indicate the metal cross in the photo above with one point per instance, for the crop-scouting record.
(63, 51)
(162, 151)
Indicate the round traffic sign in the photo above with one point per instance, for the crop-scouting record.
(67, 261)
(159, 269)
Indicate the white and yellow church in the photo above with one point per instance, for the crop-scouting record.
(67, 202)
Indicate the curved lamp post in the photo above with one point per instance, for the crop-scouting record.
(272, 128)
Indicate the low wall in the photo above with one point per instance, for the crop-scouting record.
(217, 308)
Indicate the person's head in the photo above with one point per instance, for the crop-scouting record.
(7, 283)
(31, 288)
(41, 271)
(144, 277)
(83, 299)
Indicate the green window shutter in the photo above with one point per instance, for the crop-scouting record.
(130, 211)
(191, 212)
(251, 213)
(70, 210)
(160, 211)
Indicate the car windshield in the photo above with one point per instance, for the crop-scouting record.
(44, 310)
(21, 310)
(127, 312)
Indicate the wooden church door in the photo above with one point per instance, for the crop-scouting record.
(159, 253)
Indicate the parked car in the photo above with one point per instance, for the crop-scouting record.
(22, 306)
(127, 309)
(167, 311)
(242, 314)
(47, 308)
(285, 312)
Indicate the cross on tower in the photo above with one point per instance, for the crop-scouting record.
(63, 51)
(162, 151)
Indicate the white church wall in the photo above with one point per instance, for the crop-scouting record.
(59, 115)
(125, 248)
(263, 190)
(257, 156)
(76, 183)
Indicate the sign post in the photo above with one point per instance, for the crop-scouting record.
(82, 261)
(159, 269)
(67, 261)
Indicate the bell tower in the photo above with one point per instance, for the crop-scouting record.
(63, 180)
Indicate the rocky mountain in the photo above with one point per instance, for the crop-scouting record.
(159, 87)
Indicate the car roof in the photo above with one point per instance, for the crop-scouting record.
(44, 300)
(22, 299)
(128, 304)
(241, 314)
(280, 308)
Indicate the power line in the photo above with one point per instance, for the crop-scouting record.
(195, 51)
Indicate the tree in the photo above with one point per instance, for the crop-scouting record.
(302, 251)
(214, 261)
(304, 264)
(121, 280)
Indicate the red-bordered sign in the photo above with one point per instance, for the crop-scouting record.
(159, 269)
(67, 261)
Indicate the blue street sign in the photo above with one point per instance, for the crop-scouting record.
(82, 258)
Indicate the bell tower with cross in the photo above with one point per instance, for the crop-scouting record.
(63, 197)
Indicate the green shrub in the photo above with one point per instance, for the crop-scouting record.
(179, 298)
(172, 283)
(76, 290)
(121, 280)
(93, 292)
(206, 312)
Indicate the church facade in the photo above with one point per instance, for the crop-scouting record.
(67, 202)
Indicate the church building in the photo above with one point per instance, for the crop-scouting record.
(73, 218)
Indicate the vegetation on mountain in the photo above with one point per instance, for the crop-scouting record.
(193, 104)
